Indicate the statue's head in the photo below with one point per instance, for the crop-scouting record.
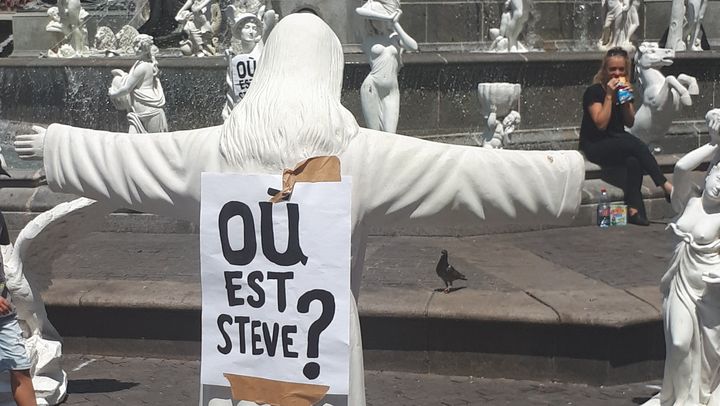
(54, 13)
(292, 109)
(105, 39)
(650, 55)
(388, 7)
(143, 44)
(247, 27)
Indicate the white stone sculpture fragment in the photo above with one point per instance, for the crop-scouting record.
(249, 33)
(126, 39)
(67, 21)
(621, 22)
(139, 91)
(691, 286)
(106, 42)
(512, 22)
(661, 96)
(293, 112)
(384, 43)
(26, 265)
(496, 104)
(684, 31)
(195, 16)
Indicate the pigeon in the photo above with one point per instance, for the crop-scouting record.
(447, 272)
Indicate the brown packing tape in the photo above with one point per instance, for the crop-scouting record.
(276, 393)
(315, 169)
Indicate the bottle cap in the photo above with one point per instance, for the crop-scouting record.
(603, 190)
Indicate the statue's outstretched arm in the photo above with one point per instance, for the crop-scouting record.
(155, 173)
(406, 41)
(457, 188)
(683, 185)
(185, 7)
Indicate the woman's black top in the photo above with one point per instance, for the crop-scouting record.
(588, 130)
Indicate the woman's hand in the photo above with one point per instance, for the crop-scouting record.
(5, 306)
(613, 83)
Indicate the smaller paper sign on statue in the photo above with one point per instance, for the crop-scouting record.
(275, 292)
(243, 69)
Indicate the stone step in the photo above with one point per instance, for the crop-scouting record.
(529, 310)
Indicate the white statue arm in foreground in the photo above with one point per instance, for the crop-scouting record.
(293, 112)
(157, 173)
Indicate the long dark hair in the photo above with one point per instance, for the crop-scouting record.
(602, 77)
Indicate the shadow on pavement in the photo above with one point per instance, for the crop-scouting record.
(79, 386)
(641, 399)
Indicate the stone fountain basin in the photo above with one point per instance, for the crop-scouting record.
(502, 95)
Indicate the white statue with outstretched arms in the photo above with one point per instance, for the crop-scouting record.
(293, 112)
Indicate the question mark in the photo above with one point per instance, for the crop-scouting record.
(312, 369)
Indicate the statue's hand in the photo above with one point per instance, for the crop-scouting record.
(397, 15)
(712, 118)
(30, 146)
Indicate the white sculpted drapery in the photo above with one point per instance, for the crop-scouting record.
(691, 286)
(293, 112)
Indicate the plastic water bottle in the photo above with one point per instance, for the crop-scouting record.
(603, 210)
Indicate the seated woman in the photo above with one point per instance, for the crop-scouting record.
(603, 138)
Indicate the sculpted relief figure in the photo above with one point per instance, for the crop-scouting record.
(249, 33)
(105, 42)
(67, 21)
(691, 286)
(512, 22)
(694, 17)
(195, 17)
(661, 96)
(685, 28)
(621, 22)
(496, 102)
(126, 39)
(384, 44)
(139, 91)
(293, 112)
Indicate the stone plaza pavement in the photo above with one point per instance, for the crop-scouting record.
(128, 381)
(574, 304)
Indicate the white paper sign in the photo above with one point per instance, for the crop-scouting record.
(243, 69)
(275, 283)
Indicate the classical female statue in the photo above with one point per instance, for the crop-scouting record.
(139, 91)
(621, 22)
(384, 45)
(691, 286)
